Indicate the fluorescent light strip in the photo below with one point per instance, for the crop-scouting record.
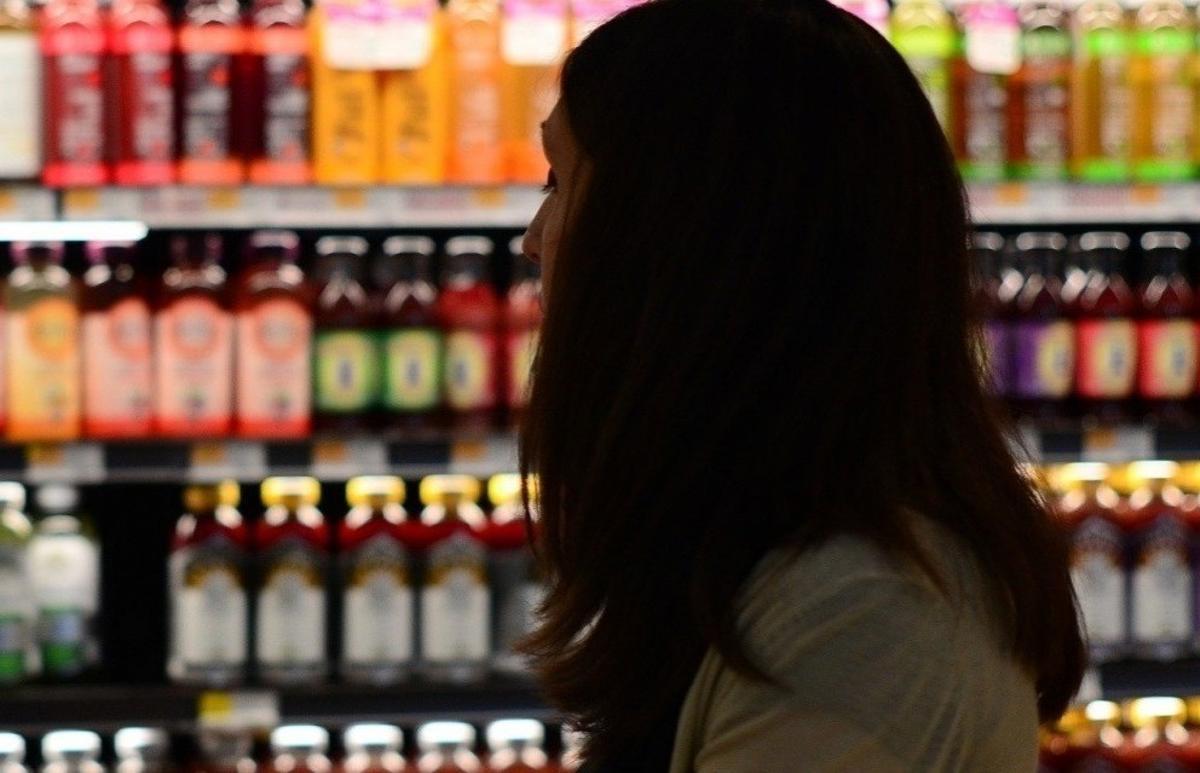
(73, 231)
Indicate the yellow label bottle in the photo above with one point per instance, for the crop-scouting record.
(345, 96)
(415, 99)
(1101, 103)
(534, 39)
(1163, 100)
(476, 153)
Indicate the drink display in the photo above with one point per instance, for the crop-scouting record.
(1162, 82)
(415, 97)
(1038, 130)
(533, 42)
(411, 342)
(1167, 333)
(276, 94)
(446, 748)
(1043, 346)
(141, 111)
(1106, 338)
(345, 110)
(20, 82)
(373, 748)
(470, 314)
(980, 89)
(515, 746)
(73, 49)
(345, 356)
(1100, 92)
(211, 38)
(17, 652)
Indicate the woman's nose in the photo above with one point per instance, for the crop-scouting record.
(531, 246)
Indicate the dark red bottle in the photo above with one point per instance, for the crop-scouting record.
(1167, 332)
(1043, 335)
(1105, 334)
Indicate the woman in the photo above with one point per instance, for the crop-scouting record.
(782, 526)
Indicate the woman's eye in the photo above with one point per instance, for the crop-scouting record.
(551, 182)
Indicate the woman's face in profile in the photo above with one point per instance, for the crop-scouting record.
(548, 225)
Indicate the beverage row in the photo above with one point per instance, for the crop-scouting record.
(271, 353)
(353, 92)
(1141, 735)
(1067, 332)
(446, 593)
(508, 746)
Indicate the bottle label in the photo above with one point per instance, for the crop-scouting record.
(291, 607)
(516, 594)
(283, 52)
(927, 51)
(1044, 359)
(1099, 579)
(1167, 352)
(346, 376)
(20, 121)
(117, 369)
(985, 127)
(1047, 64)
(477, 133)
(194, 352)
(44, 399)
(379, 614)
(1107, 358)
(274, 386)
(1161, 587)
(348, 34)
(147, 73)
(407, 25)
(206, 105)
(62, 633)
(997, 341)
(1170, 58)
(413, 369)
(64, 573)
(522, 348)
(78, 130)
(209, 609)
(470, 370)
(534, 32)
(992, 42)
(1109, 161)
(16, 618)
(455, 602)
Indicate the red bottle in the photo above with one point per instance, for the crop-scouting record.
(470, 315)
(1167, 331)
(211, 38)
(73, 46)
(515, 746)
(142, 109)
(522, 319)
(1096, 742)
(995, 298)
(372, 748)
(1160, 739)
(1105, 334)
(299, 749)
(412, 340)
(446, 748)
(276, 95)
(1043, 344)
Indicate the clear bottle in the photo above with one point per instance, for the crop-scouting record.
(1039, 121)
(446, 748)
(345, 349)
(1105, 333)
(12, 753)
(516, 746)
(20, 82)
(412, 340)
(17, 652)
(512, 571)
(142, 750)
(470, 314)
(1100, 92)
(299, 749)
(71, 751)
(1167, 332)
(1043, 337)
(522, 321)
(1161, 75)
(372, 748)
(923, 32)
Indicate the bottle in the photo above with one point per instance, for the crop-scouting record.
(512, 570)
(118, 374)
(293, 553)
(141, 92)
(142, 750)
(276, 95)
(1100, 92)
(20, 83)
(979, 88)
(522, 319)
(923, 33)
(415, 96)
(1039, 93)
(455, 599)
(1043, 338)
(17, 652)
(73, 50)
(987, 255)
(345, 350)
(372, 748)
(587, 15)
(1161, 740)
(12, 753)
(533, 43)
(1160, 73)
(346, 109)
(193, 343)
(412, 341)
(470, 316)
(71, 751)
(516, 746)
(1167, 332)
(211, 38)
(476, 152)
(274, 340)
(1095, 741)
(43, 345)
(225, 751)
(445, 747)
(207, 581)
(64, 570)
(1106, 337)
(300, 749)
(378, 615)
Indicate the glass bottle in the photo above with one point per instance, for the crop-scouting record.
(345, 350)
(17, 650)
(299, 749)
(516, 746)
(522, 319)
(412, 342)
(20, 82)
(142, 750)
(1166, 328)
(1039, 93)
(1043, 336)
(71, 751)
(470, 314)
(373, 748)
(1106, 337)
(276, 95)
(12, 753)
(512, 571)
(1100, 92)
(446, 748)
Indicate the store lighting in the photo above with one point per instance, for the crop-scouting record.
(73, 231)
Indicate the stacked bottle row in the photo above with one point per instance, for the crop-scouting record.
(353, 92)
(1161, 734)
(508, 746)
(1073, 330)
(190, 354)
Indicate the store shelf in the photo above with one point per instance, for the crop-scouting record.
(1068, 203)
(1107, 443)
(1137, 678)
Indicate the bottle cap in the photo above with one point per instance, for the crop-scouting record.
(54, 498)
(373, 738)
(1040, 240)
(1106, 712)
(109, 252)
(24, 252)
(1145, 712)
(436, 488)
(282, 244)
(435, 735)
(1165, 240)
(1104, 240)
(145, 742)
(469, 245)
(1154, 470)
(1188, 479)
(66, 744)
(307, 739)
(987, 240)
(353, 246)
(396, 246)
(1084, 472)
(200, 497)
(505, 733)
(364, 488)
(305, 490)
(12, 495)
(505, 489)
(12, 748)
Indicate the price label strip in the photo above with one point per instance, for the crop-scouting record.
(242, 710)
(481, 458)
(1119, 444)
(344, 459)
(64, 462)
(237, 460)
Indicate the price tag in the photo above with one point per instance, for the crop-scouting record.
(1145, 194)
(220, 460)
(81, 201)
(354, 199)
(64, 462)
(243, 710)
(493, 455)
(489, 198)
(1012, 193)
(335, 459)
(1117, 444)
(224, 199)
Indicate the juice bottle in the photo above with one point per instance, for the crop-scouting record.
(470, 315)
(141, 750)
(923, 32)
(1043, 338)
(979, 88)
(1100, 92)
(345, 351)
(12, 753)
(1161, 740)
(455, 599)
(276, 89)
(412, 341)
(512, 570)
(117, 369)
(476, 152)
(415, 95)
(207, 588)
(193, 343)
(225, 751)
(141, 106)
(445, 747)
(73, 50)
(1167, 333)
(1163, 103)
(293, 554)
(516, 746)
(64, 571)
(211, 38)
(299, 749)
(522, 319)
(1039, 93)
(372, 748)
(16, 611)
(378, 615)
(274, 340)
(346, 109)
(20, 83)
(71, 751)
(1106, 337)
(533, 41)
(587, 15)
(43, 345)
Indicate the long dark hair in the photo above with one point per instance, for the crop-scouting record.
(758, 333)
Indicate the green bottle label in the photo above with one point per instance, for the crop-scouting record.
(1164, 42)
(13, 640)
(345, 371)
(62, 632)
(935, 42)
(1107, 42)
(1045, 44)
(413, 369)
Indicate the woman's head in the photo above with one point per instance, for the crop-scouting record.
(757, 332)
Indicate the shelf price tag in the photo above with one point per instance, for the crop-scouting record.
(64, 462)
(242, 710)
(335, 459)
(219, 460)
(484, 457)
(1117, 444)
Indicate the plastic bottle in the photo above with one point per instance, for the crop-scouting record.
(1106, 336)
(193, 343)
(378, 612)
(211, 38)
(20, 83)
(64, 569)
(274, 340)
(412, 343)
(277, 93)
(17, 652)
(470, 316)
(1039, 93)
(455, 598)
(516, 746)
(476, 152)
(43, 345)
(415, 95)
(1100, 92)
(71, 751)
(207, 569)
(346, 109)
(118, 372)
(512, 571)
(923, 32)
(1163, 92)
(980, 90)
(1167, 332)
(142, 750)
(141, 93)
(372, 748)
(12, 753)
(345, 348)
(293, 552)
(522, 320)
(300, 749)
(534, 39)
(73, 50)
(1043, 365)
(446, 748)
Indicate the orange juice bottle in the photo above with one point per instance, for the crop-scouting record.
(476, 152)
(1100, 92)
(345, 110)
(414, 96)
(1161, 76)
(534, 40)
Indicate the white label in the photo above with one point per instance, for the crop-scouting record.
(348, 39)
(455, 602)
(1162, 598)
(409, 44)
(534, 40)
(65, 572)
(21, 119)
(1100, 587)
(209, 612)
(379, 620)
(994, 47)
(291, 617)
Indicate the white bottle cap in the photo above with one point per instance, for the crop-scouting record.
(12, 495)
(140, 742)
(505, 733)
(372, 737)
(433, 735)
(12, 748)
(60, 744)
(54, 498)
(306, 738)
